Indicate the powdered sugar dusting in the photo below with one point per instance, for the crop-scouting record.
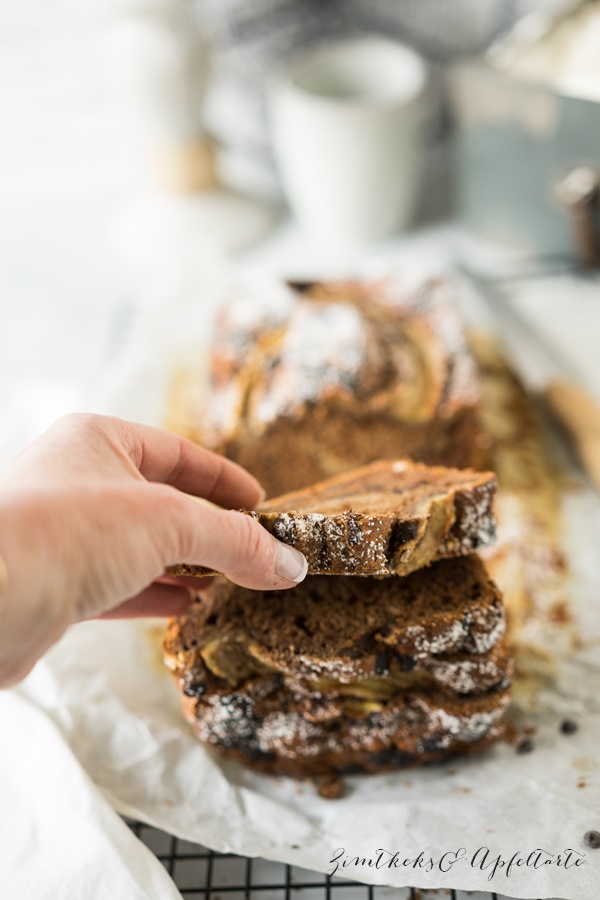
(224, 412)
(347, 542)
(471, 728)
(279, 732)
(412, 724)
(481, 635)
(467, 676)
(343, 544)
(477, 523)
(258, 304)
(289, 349)
(432, 300)
(323, 350)
(452, 638)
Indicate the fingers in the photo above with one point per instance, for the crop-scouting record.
(157, 600)
(82, 445)
(12, 674)
(168, 458)
(229, 542)
(194, 583)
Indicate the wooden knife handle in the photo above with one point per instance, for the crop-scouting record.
(579, 414)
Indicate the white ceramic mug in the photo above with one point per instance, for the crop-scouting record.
(346, 127)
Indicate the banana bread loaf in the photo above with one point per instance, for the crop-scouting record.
(310, 380)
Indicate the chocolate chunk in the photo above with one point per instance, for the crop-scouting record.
(331, 787)
(355, 532)
(525, 745)
(284, 528)
(194, 689)
(405, 661)
(391, 756)
(568, 726)
(254, 754)
(382, 663)
(359, 648)
(300, 622)
(591, 839)
(401, 533)
(431, 744)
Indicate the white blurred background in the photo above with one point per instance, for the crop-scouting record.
(90, 228)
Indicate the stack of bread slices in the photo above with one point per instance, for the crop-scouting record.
(390, 652)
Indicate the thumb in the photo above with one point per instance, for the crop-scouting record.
(232, 543)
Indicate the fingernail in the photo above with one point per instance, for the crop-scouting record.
(290, 563)
(263, 495)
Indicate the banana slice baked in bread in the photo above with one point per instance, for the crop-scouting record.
(388, 518)
(456, 673)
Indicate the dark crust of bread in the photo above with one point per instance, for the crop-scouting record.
(269, 729)
(357, 762)
(340, 627)
(387, 518)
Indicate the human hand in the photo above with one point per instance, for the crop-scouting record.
(92, 513)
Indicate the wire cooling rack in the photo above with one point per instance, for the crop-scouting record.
(203, 874)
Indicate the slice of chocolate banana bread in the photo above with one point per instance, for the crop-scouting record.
(325, 696)
(310, 380)
(264, 725)
(338, 627)
(388, 518)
